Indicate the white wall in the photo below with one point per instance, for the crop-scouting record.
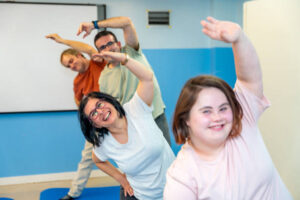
(273, 27)
(185, 30)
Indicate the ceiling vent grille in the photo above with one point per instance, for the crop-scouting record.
(159, 18)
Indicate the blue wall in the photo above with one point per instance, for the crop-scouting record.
(51, 142)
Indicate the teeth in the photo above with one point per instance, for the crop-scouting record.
(107, 115)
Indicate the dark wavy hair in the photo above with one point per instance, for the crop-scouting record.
(188, 97)
(91, 133)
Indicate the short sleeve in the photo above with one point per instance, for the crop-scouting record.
(131, 51)
(136, 106)
(252, 105)
(99, 152)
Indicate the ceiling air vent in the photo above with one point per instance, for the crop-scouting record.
(159, 18)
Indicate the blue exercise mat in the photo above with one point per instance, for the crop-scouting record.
(4, 198)
(99, 193)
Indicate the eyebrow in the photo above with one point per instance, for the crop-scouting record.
(210, 107)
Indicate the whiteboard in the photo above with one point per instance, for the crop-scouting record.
(31, 76)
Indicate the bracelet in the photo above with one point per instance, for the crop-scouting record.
(124, 62)
(95, 24)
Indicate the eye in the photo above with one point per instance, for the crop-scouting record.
(206, 111)
(94, 114)
(109, 43)
(99, 105)
(101, 48)
(71, 61)
(223, 109)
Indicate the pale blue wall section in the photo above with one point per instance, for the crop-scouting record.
(173, 67)
(39, 143)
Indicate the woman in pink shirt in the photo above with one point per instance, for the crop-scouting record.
(223, 156)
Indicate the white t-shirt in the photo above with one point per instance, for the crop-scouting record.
(243, 170)
(146, 156)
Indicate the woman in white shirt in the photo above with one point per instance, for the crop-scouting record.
(128, 135)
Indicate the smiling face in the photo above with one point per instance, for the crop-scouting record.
(75, 63)
(101, 113)
(210, 119)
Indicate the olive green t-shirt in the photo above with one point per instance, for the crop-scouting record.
(120, 83)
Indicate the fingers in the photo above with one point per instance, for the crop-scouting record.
(50, 36)
(125, 192)
(84, 27)
(86, 34)
(208, 25)
(212, 20)
(128, 191)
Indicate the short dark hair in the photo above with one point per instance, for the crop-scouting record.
(91, 133)
(188, 97)
(104, 33)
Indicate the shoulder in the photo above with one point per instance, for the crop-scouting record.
(184, 164)
(252, 105)
(137, 106)
(131, 51)
(97, 64)
(182, 176)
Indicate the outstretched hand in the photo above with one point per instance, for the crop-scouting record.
(109, 56)
(86, 27)
(55, 37)
(221, 30)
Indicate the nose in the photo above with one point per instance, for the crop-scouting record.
(216, 117)
(100, 111)
(72, 66)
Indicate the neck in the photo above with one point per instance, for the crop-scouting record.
(120, 131)
(119, 126)
(86, 65)
(112, 64)
(207, 152)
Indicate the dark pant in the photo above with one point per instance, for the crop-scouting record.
(162, 124)
(122, 196)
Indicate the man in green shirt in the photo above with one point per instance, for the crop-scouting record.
(115, 79)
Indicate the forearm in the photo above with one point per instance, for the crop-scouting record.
(139, 70)
(247, 64)
(115, 22)
(145, 87)
(246, 60)
(109, 169)
(80, 46)
(125, 23)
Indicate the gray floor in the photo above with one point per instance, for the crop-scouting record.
(32, 191)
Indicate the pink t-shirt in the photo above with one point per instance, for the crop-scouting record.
(243, 170)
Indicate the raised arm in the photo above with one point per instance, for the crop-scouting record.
(145, 87)
(79, 46)
(247, 65)
(123, 23)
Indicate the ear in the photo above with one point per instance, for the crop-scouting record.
(187, 122)
(119, 44)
